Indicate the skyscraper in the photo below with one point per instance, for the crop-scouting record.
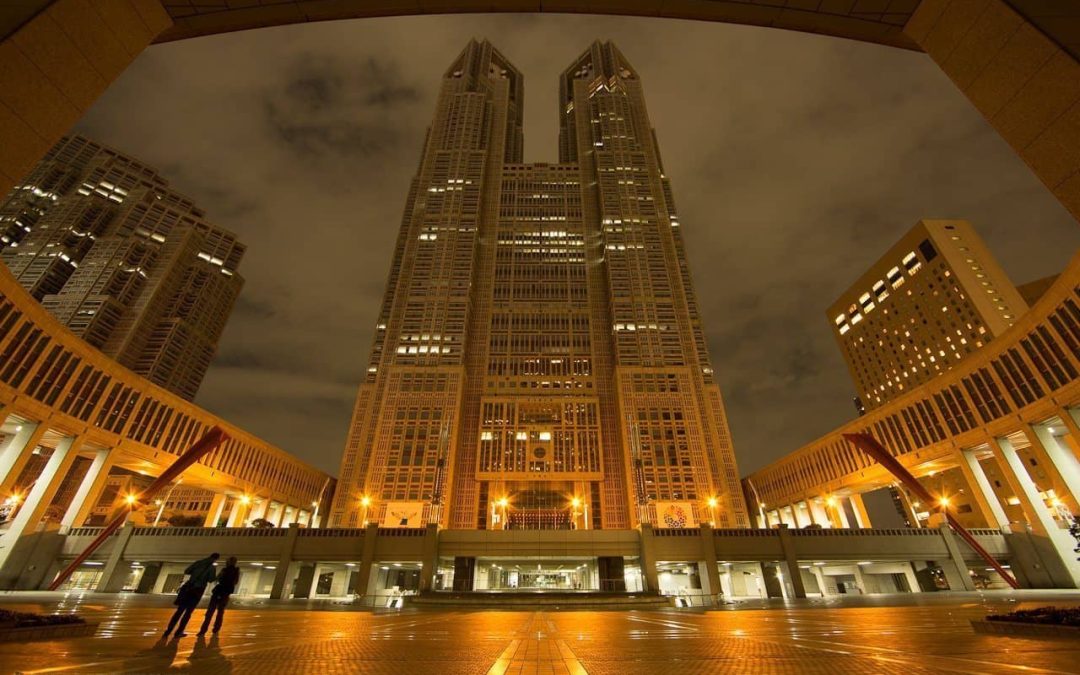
(539, 361)
(933, 297)
(128, 264)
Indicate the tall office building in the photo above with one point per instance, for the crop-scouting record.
(937, 295)
(539, 360)
(128, 264)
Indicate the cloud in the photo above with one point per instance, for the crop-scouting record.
(795, 160)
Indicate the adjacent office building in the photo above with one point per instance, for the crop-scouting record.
(937, 295)
(124, 261)
(539, 360)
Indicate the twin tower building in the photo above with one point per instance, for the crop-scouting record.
(539, 360)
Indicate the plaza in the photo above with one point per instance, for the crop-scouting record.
(928, 633)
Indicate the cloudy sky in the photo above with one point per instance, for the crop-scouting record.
(796, 160)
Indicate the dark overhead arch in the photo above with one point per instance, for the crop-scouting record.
(878, 21)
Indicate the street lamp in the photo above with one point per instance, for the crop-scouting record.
(712, 511)
(503, 503)
(365, 502)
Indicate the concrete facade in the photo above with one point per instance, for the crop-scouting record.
(70, 417)
(995, 439)
(698, 565)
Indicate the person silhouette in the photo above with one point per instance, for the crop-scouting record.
(227, 581)
(201, 573)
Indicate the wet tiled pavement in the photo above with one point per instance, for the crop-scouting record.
(883, 634)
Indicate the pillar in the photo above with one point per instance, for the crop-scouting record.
(985, 499)
(55, 66)
(367, 559)
(89, 491)
(819, 512)
(280, 589)
(819, 574)
(774, 588)
(792, 562)
(648, 560)
(1022, 81)
(259, 510)
(909, 508)
(859, 508)
(712, 565)
(112, 577)
(430, 557)
(1038, 515)
(955, 569)
(1070, 417)
(912, 580)
(41, 494)
(1057, 460)
(16, 453)
(860, 581)
(237, 514)
(217, 506)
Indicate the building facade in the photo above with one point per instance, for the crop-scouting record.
(936, 296)
(125, 262)
(539, 361)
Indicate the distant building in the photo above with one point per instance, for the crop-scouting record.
(937, 295)
(539, 359)
(128, 264)
(1033, 290)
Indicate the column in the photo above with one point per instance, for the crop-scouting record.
(280, 589)
(259, 510)
(238, 513)
(985, 499)
(819, 574)
(1022, 81)
(955, 569)
(1070, 417)
(648, 560)
(1038, 515)
(112, 577)
(16, 453)
(55, 66)
(217, 506)
(905, 500)
(859, 580)
(712, 566)
(912, 580)
(288, 516)
(820, 512)
(430, 557)
(41, 494)
(367, 559)
(859, 508)
(1059, 460)
(89, 491)
(792, 562)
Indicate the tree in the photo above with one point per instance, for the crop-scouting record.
(182, 520)
(261, 524)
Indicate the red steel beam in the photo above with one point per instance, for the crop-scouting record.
(870, 446)
(210, 440)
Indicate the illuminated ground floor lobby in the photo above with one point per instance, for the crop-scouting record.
(379, 567)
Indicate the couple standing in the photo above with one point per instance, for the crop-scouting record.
(201, 573)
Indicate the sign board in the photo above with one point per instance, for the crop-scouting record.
(404, 514)
(674, 515)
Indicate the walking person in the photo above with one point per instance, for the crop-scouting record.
(219, 597)
(201, 572)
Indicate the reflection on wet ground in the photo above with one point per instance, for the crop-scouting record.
(927, 633)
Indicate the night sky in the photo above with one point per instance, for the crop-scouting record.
(796, 160)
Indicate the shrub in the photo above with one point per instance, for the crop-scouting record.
(1058, 616)
(25, 619)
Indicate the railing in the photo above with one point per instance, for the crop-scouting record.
(744, 532)
(87, 531)
(866, 532)
(677, 532)
(402, 532)
(209, 532)
(333, 532)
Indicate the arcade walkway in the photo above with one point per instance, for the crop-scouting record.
(928, 633)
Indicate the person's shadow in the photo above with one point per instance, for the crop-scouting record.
(157, 659)
(207, 657)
